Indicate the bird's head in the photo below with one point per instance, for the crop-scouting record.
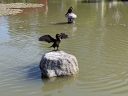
(57, 35)
(61, 36)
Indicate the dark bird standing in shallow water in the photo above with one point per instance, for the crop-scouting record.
(56, 41)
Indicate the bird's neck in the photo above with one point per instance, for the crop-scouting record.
(58, 39)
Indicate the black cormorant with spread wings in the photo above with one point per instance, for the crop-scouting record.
(56, 41)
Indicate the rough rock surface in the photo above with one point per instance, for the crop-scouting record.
(58, 63)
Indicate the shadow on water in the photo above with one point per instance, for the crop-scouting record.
(30, 72)
(91, 1)
(60, 23)
(124, 0)
(98, 1)
(33, 72)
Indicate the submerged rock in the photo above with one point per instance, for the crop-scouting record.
(58, 63)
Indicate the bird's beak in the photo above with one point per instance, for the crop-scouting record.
(60, 36)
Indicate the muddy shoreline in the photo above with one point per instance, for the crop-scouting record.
(15, 8)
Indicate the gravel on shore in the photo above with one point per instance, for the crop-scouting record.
(15, 8)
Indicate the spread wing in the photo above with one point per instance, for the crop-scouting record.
(63, 35)
(47, 38)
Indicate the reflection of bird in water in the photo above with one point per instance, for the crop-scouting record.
(56, 41)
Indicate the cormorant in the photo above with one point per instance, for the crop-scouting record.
(56, 41)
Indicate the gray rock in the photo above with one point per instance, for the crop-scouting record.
(58, 63)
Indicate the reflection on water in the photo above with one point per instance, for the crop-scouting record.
(4, 35)
(98, 39)
(56, 83)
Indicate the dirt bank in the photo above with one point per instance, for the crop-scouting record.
(15, 8)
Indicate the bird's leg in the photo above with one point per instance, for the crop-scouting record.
(57, 49)
(54, 49)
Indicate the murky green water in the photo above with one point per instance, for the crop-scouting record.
(99, 40)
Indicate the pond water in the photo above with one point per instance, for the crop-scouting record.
(99, 40)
